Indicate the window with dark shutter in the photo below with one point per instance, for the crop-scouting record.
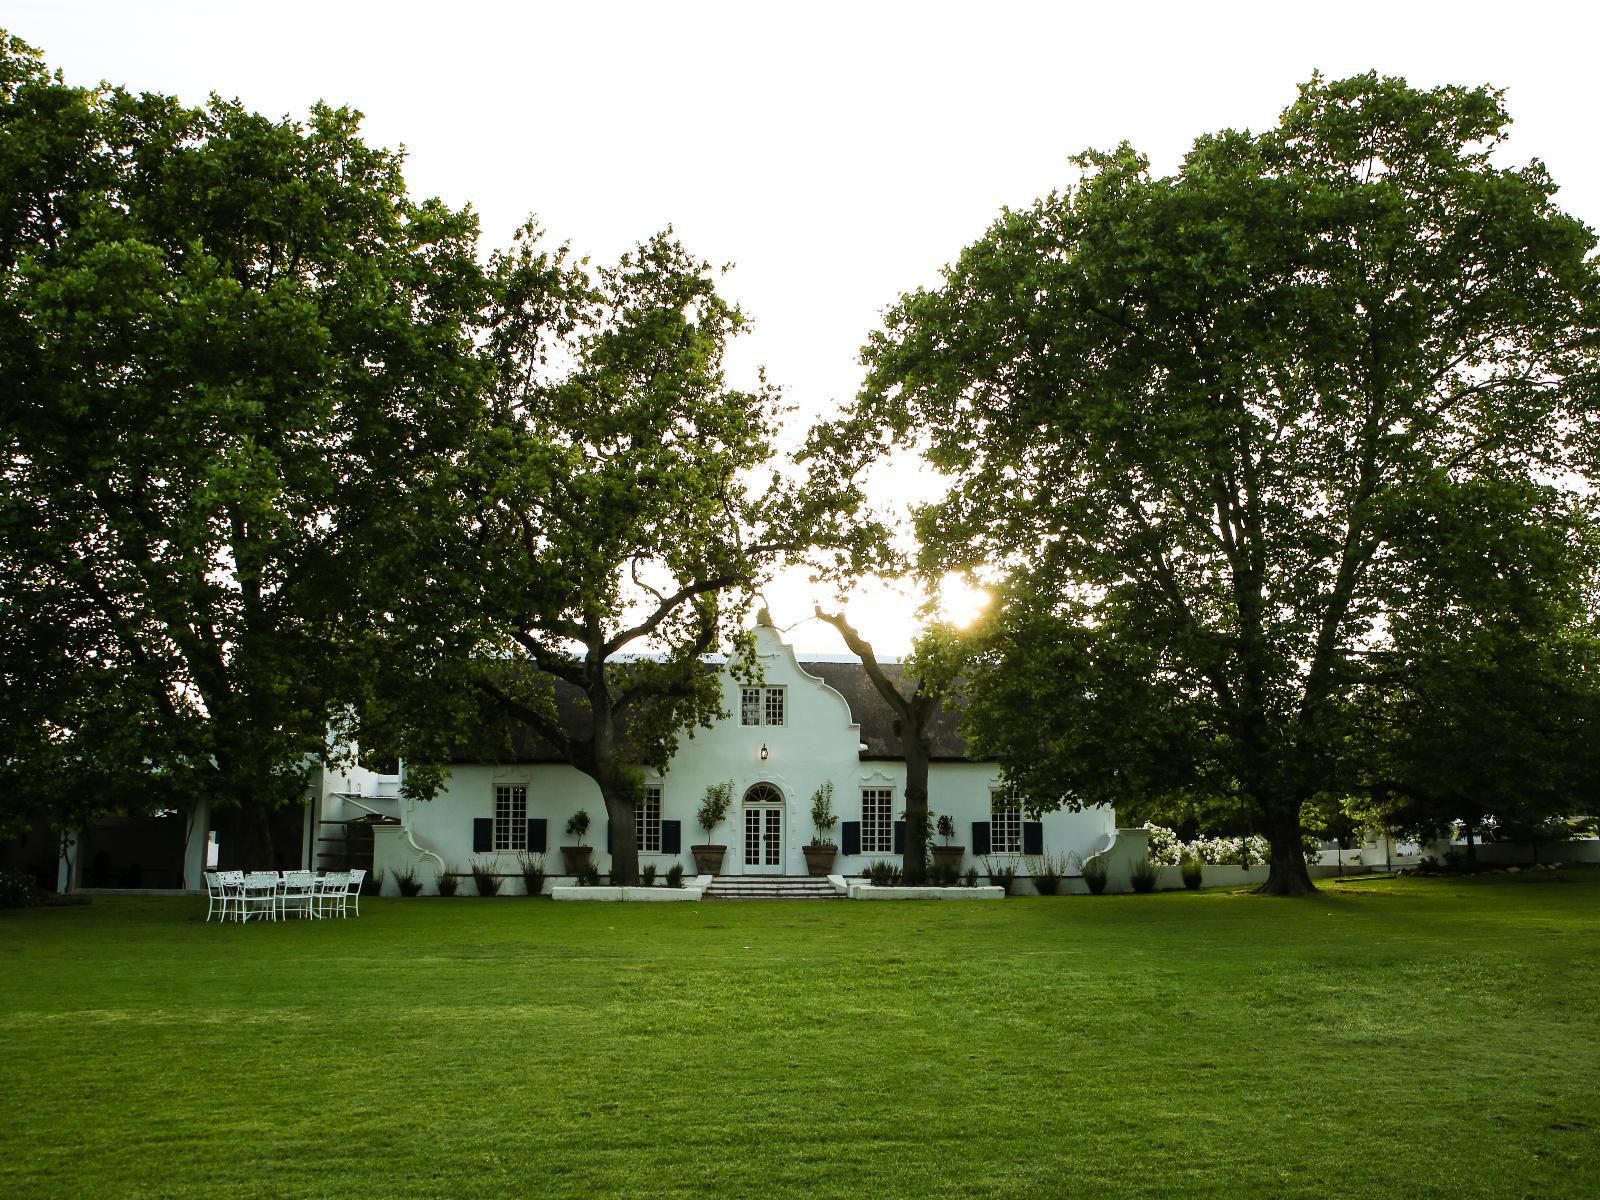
(877, 816)
(510, 817)
(647, 821)
(1006, 821)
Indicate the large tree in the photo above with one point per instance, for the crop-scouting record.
(235, 354)
(1199, 422)
(915, 697)
(616, 517)
(1486, 705)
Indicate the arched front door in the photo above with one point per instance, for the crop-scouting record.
(763, 830)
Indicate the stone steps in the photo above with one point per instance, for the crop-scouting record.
(770, 887)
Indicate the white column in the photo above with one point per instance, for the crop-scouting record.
(194, 847)
(66, 866)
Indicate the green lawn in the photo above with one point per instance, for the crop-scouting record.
(1390, 1038)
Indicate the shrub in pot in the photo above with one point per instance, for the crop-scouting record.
(574, 858)
(713, 808)
(948, 855)
(821, 850)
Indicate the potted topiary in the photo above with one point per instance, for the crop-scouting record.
(576, 858)
(947, 858)
(713, 807)
(821, 849)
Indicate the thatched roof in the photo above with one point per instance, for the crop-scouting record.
(879, 728)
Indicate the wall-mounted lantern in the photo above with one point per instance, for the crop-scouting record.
(763, 752)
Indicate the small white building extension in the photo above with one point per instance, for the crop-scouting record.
(807, 724)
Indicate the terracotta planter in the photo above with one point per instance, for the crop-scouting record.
(708, 859)
(574, 858)
(819, 859)
(949, 856)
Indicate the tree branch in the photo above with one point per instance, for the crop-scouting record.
(569, 747)
(665, 609)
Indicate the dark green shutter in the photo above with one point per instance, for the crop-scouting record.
(850, 836)
(899, 837)
(537, 837)
(482, 835)
(1032, 837)
(671, 837)
(980, 837)
(608, 837)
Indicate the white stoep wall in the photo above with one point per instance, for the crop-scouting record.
(818, 742)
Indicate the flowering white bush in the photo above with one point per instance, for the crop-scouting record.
(1166, 849)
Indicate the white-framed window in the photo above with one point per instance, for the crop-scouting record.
(647, 820)
(761, 706)
(1005, 821)
(510, 816)
(877, 820)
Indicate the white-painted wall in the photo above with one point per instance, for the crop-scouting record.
(1579, 850)
(818, 742)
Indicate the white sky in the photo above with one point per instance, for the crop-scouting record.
(838, 154)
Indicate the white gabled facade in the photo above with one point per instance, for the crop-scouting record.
(810, 737)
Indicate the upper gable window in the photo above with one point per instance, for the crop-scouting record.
(761, 706)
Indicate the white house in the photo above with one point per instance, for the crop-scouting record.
(807, 724)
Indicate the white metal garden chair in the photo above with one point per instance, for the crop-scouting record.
(299, 893)
(352, 892)
(330, 893)
(216, 896)
(259, 896)
(231, 886)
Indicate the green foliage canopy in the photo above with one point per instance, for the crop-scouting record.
(615, 517)
(1202, 425)
(236, 353)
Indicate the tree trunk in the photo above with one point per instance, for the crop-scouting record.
(914, 863)
(253, 850)
(1287, 875)
(621, 811)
